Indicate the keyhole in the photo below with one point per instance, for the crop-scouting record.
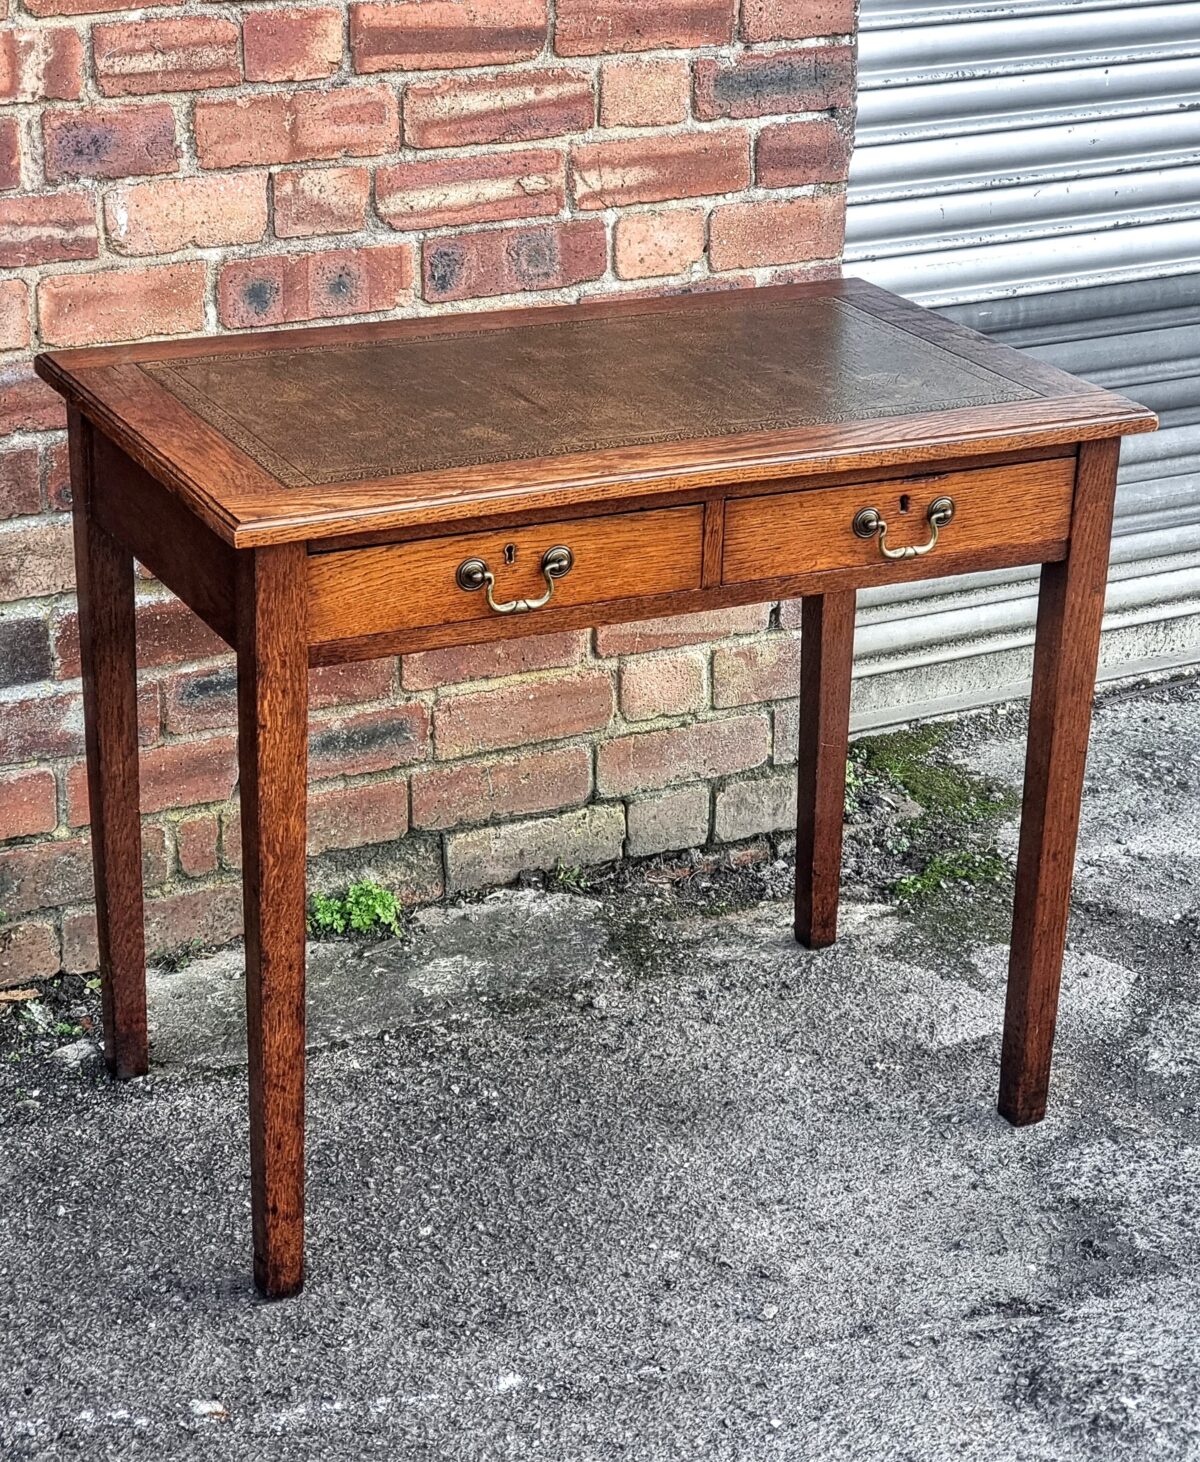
(510, 553)
(904, 500)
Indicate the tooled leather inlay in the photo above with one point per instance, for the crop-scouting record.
(313, 415)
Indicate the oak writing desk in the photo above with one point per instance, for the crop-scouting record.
(335, 494)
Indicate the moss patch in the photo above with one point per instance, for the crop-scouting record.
(909, 760)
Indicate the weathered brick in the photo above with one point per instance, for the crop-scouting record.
(85, 7)
(292, 44)
(368, 741)
(787, 733)
(28, 951)
(208, 916)
(200, 700)
(545, 709)
(643, 635)
(357, 680)
(589, 27)
(177, 774)
(644, 93)
(188, 53)
(24, 651)
(663, 685)
(668, 821)
(297, 126)
(796, 154)
(312, 201)
(35, 559)
(494, 855)
(758, 805)
(56, 476)
(763, 670)
(14, 323)
(282, 288)
(659, 167)
(10, 154)
(121, 304)
(776, 231)
(206, 700)
(45, 875)
(28, 803)
(109, 142)
(47, 229)
(179, 213)
(357, 816)
(432, 668)
(478, 188)
(40, 65)
(411, 867)
(763, 85)
(479, 791)
(20, 493)
(196, 845)
(650, 759)
(514, 260)
(167, 633)
(27, 403)
(795, 20)
(512, 106)
(425, 35)
(669, 241)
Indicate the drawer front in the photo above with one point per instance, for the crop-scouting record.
(396, 586)
(792, 533)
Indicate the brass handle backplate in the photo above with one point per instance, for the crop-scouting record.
(868, 522)
(473, 574)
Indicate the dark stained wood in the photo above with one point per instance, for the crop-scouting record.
(1064, 676)
(376, 590)
(805, 532)
(105, 588)
(196, 565)
(685, 601)
(826, 661)
(556, 407)
(714, 542)
(311, 494)
(273, 761)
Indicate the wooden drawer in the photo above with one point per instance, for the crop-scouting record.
(790, 533)
(397, 586)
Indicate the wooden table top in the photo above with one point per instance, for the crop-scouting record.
(302, 434)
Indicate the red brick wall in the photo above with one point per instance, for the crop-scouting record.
(203, 169)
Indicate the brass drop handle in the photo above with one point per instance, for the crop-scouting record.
(474, 574)
(868, 522)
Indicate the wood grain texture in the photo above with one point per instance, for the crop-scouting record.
(1070, 609)
(173, 543)
(806, 532)
(687, 601)
(273, 759)
(826, 426)
(374, 590)
(826, 663)
(105, 589)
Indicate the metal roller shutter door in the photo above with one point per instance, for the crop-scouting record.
(1032, 169)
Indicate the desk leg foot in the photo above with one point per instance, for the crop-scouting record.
(1070, 608)
(826, 661)
(105, 587)
(273, 764)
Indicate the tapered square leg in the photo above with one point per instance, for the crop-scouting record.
(1070, 609)
(826, 662)
(273, 763)
(107, 649)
